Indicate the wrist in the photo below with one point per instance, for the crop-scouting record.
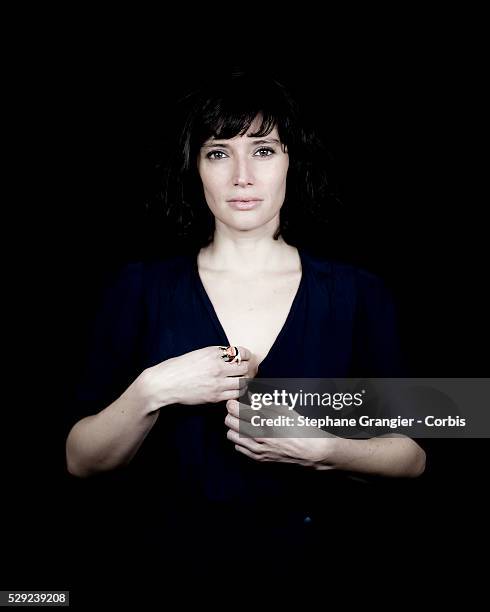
(346, 453)
(333, 453)
(150, 390)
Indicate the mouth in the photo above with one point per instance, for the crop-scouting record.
(244, 204)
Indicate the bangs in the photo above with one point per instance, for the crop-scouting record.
(229, 124)
(230, 109)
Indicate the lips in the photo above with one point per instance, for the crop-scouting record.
(243, 204)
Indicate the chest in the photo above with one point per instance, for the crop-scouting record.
(252, 313)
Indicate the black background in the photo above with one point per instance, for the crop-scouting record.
(403, 125)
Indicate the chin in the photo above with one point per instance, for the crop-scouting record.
(244, 220)
(245, 227)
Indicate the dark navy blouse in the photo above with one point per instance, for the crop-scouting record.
(341, 323)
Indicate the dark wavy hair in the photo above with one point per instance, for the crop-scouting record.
(224, 107)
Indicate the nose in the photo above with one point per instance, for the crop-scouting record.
(242, 173)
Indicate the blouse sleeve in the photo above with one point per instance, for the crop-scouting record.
(377, 347)
(112, 355)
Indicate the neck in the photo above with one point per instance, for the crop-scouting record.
(246, 256)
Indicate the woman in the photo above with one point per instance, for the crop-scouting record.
(160, 392)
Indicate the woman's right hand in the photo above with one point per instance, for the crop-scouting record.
(198, 377)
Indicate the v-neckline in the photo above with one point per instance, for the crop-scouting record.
(220, 327)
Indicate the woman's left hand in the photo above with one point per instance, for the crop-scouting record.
(313, 452)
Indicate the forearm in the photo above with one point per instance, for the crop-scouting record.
(112, 437)
(383, 456)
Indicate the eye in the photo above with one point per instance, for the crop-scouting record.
(211, 155)
(262, 152)
(268, 151)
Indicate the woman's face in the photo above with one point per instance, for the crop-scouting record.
(244, 178)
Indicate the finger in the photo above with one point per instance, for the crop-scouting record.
(233, 388)
(240, 409)
(248, 443)
(245, 451)
(245, 353)
(242, 426)
(232, 422)
(233, 407)
(235, 369)
(231, 394)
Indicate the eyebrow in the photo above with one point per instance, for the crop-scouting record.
(255, 142)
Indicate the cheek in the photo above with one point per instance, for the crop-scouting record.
(278, 173)
(207, 183)
(212, 182)
(277, 179)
